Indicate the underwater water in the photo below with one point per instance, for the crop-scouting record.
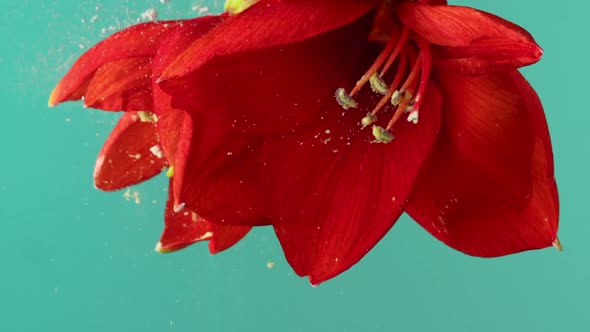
(77, 259)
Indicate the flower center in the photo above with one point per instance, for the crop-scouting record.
(405, 63)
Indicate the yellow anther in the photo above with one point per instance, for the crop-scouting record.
(378, 85)
(396, 98)
(170, 172)
(381, 135)
(145, 116)
(345, 100)
(237, 6)
(368, 120)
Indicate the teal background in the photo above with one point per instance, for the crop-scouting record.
(76, 259)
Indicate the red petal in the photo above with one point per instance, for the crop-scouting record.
(186, 227)
(433, 2)
(125, 158)
(121, 85)
(225, 236)
(334, 195)
(137, 41)
(490, 190)
(473, 41)
(276, 90)
(269, 23)
(220, 181)
(175, 126)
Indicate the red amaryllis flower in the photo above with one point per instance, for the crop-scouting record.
(257, 136)
(119, 74)
(431, 117)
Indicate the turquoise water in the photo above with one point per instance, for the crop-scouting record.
(76, 259)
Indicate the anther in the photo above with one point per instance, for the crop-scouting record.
(378, 85)
(368, 120)
(344, 100)
(413, 117)
(381, 135)
(396, 98)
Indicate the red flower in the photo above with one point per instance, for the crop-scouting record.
(119, 74)
(262, 139)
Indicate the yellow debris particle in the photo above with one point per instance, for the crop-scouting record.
(238, 6)
(170, 172)
(557, 244)
(270, 264)
(145, 116)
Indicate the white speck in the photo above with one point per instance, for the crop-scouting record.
(413, 117)
(132, 195)
(327, 131)
(149, 14)
(229, 153)
(200, 9)
(157, 151)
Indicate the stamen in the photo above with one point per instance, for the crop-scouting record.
(413, 64)
(413, 75)
(381, 135)
(378, 85)
(375, 66)
(400, 110)
(396, 98)
(400, 44)
(368, 120)
(426, 66)
(392, 91)
(344, 99)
